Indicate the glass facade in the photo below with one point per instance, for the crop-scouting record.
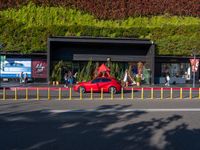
(117, 69)
(178, 70)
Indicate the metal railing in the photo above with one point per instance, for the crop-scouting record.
(47, 93)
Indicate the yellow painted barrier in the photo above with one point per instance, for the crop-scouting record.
(91, 94)
(132, 93)
(49, 94)
(161, 93)
(171, 94)
(142, 93)
(81, 95)
(26, 93)
(15, 93)
(190, 93)
(181, 93)
(122, 93)
(199, 93)
(151, 93)
(59, 94)
(38, 94)
(112, 97)
(70, 93)
(101, 93)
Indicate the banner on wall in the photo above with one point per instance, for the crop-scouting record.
(39, 68)
(195, 64)
(12, 67)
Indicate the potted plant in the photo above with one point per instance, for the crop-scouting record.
(138, 80)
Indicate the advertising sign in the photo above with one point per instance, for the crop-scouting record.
(12, 67)
(195, 64)
(39, 68)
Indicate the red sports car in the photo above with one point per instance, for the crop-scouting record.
(108, 84)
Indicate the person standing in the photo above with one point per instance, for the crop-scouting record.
(66, 80)
(126, 78)
(26, 78)
(70, 78)
(167, 80)
(21, 77)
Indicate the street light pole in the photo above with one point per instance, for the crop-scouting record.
(193, 85)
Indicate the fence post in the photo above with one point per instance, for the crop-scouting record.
(122, 93)
(38, 94)
(112, 94)
(49, 94)
(171, 94)
(161, 93)
(15, 93)
(91, 96)
(151, 93)
(70, 93)
(4, 93)
(101, 93)
(132, 94)
(26, 93)
(190, 93)
(59, 94)
(81, 95)
(199, 93)
(181, 93)
(142, 93)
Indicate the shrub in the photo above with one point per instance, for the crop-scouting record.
(26, 29)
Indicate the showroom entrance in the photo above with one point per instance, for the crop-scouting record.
(75, 52)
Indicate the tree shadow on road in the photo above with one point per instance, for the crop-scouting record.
(94, 131)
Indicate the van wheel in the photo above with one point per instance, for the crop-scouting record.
(112, 89)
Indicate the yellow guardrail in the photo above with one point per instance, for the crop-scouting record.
(139, 93)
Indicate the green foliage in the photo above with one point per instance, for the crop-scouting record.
(26, 29)
(116, 70)
(57, 72)
(88, 71)
(81, 75)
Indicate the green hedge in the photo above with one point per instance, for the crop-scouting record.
(26, 29)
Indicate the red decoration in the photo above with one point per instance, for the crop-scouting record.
(103, 70)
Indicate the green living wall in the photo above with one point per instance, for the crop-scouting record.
(26, 29)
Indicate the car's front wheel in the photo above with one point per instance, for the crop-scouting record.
(112, 89)
(81, 89)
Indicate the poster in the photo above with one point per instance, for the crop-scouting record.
(12, 67)
(195, 64)
(39, 68)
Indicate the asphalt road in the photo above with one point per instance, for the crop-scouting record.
(99, 125)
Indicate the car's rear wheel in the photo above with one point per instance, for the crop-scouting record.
(112, 89)
(81, 89)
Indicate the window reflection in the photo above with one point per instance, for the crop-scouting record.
(182, 70)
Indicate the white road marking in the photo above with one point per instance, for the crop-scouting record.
(127, 110)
